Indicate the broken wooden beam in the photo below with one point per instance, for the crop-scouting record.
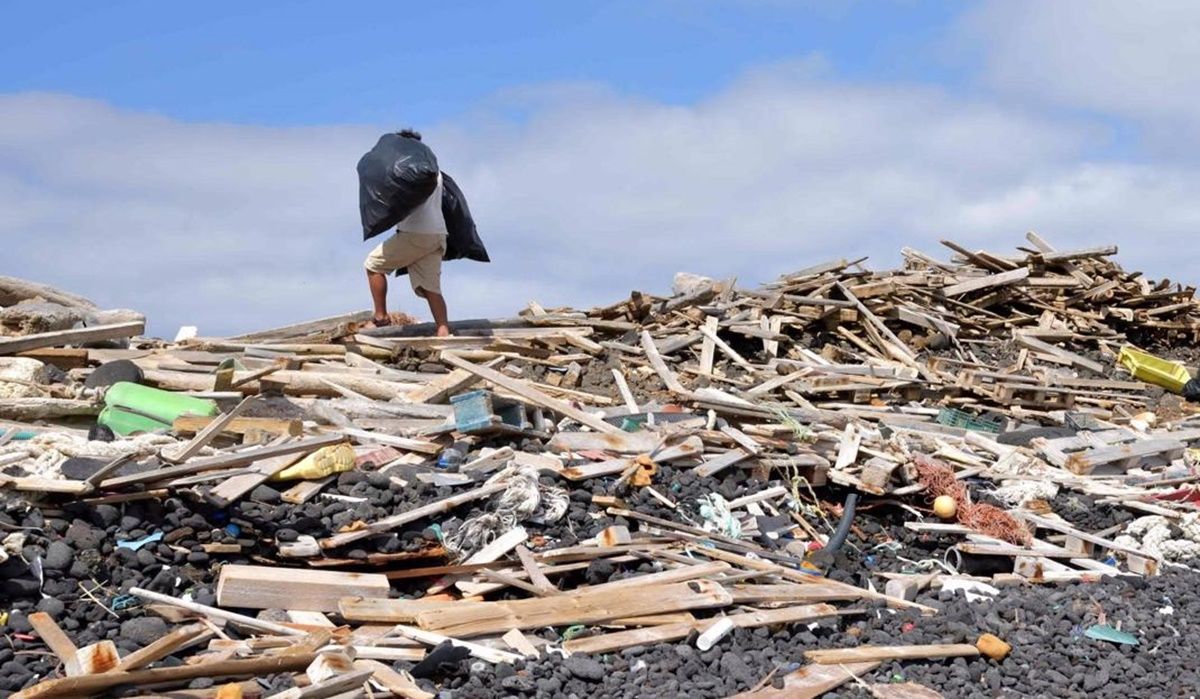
(262, 587)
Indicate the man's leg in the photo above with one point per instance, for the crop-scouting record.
(425, 275)
(437, 307)
(377, 281)
(385, 258)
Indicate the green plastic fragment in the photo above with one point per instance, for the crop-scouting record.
(1104, 632)
(573, 631)
(633, 424)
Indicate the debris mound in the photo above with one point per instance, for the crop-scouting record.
(720, 492)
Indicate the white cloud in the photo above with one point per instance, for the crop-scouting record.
(1129, 59)
(589, 195)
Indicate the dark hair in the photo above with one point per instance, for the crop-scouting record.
(409, 133)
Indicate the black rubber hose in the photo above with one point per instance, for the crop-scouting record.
(843, 529)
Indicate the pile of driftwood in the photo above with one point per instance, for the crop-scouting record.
(833, 375)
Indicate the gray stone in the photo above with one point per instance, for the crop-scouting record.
(584, 668)
(52, 606)
(735, 667)
(58, 556)
(83, 536)
(143, 630)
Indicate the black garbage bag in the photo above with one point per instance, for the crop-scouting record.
(394, 178)
(1191, 391)
(462, 238)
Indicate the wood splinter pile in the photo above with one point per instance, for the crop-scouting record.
(831, 377)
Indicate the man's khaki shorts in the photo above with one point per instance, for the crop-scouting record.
(421, 253)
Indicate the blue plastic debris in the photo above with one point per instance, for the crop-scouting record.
(232, 529)
(139, 543)
(125, 602)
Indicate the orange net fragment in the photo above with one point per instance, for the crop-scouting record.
(938, 479)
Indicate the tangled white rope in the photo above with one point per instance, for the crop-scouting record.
(1158, 536)
(1018, 493)
(525, 499)
(47, 451)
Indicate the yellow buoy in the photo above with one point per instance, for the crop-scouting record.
(945, 506)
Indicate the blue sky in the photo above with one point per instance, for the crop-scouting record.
(306, 63)
(196, 161)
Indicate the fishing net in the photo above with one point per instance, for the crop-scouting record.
(938, 479)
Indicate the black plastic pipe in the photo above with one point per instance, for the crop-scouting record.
(843, 529)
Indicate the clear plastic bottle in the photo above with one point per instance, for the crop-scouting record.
(452, 456)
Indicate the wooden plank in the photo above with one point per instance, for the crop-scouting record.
(642, 442)
(708, 346)
(791, 592)
(726, 349)
(811, 681)
(490, 462)
(334, 686)
(1075, 359)
(162, 647)
(202, 438)
(101, 656)
(491, 655)
(329, 324)
(399, 684)
(743, 440)
(1080, 254)
(579, 607)
(240, 425)
(623, 388)
(235, 488)
(715, 465)
(660, 366)
(240, 619)
(399, 520)
(1043, 246)
(534, 571)
(1066, 528)
(65, 358)
(499, 546)
(987, 282)
(773, 383)
(1085, 461)
(38, 484)
(609, 642)
(803, 578)
(518, 642)
(524, 390)
(690, 447)
(57, 338)
(224, 461)
(56, 640)
(866, 654)
(441, 389)
(95, 684)
(304, 491)
(418, 445)
(902, 690)
(262, 587)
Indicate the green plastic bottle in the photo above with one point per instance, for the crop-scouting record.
(131, 408)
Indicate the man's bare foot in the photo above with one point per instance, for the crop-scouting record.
(382, 322)
(443, 331)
